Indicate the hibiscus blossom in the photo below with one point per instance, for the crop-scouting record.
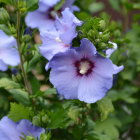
(81, 73)
(10, 130)
(8, 52)
(44, 17)
(59, 40)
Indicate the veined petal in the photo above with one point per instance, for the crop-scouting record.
(8, 130)
(10, 56)
(69, 17)
(68, 35)
(3, 66)
(52, 44)
(63, 74)
(86, 49)
(8, 50)
(64, 59)
(6, 41)
(67, 87)
(117, 69)
(103, 66)
(67, 21)
(40, 20)
(27, 128)
(52, 47)
(43, 7)
(93, 87)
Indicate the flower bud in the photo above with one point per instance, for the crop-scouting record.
(26, 38)
(45, 119)
(91, 33)
(103, 45)
(4, 16)
(97, 40)
(36, 120)
(102, 25)
(105, 37)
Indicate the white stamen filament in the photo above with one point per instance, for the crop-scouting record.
(84, 67)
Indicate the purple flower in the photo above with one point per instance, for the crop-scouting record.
(81, 73)
(8, 52)
(59, 40)
(10, 130)
(43, 18)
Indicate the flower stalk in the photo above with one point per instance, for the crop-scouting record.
(26, 82)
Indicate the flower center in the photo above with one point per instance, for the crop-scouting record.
(84, 66)
(52, 13)
(58, 40)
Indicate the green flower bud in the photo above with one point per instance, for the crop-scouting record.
(4, 16)
(102, 25)
(26, 38)
(103, 45)
(12, 30)
(45, 119)
(105, 37)
(36, 120)
(91, 33)
(97, 41)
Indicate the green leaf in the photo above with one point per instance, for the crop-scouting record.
(31, 5)
(58, 118)
(5, 29)
(8, 84)
(109, 128)
(4, 16)
(34, 83)
(18, 112)
(12, 87)
(82, 15)
(20, 96)
(105, 107)
(125, 94)
(74, 112)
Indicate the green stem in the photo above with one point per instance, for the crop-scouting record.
(27, 84)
